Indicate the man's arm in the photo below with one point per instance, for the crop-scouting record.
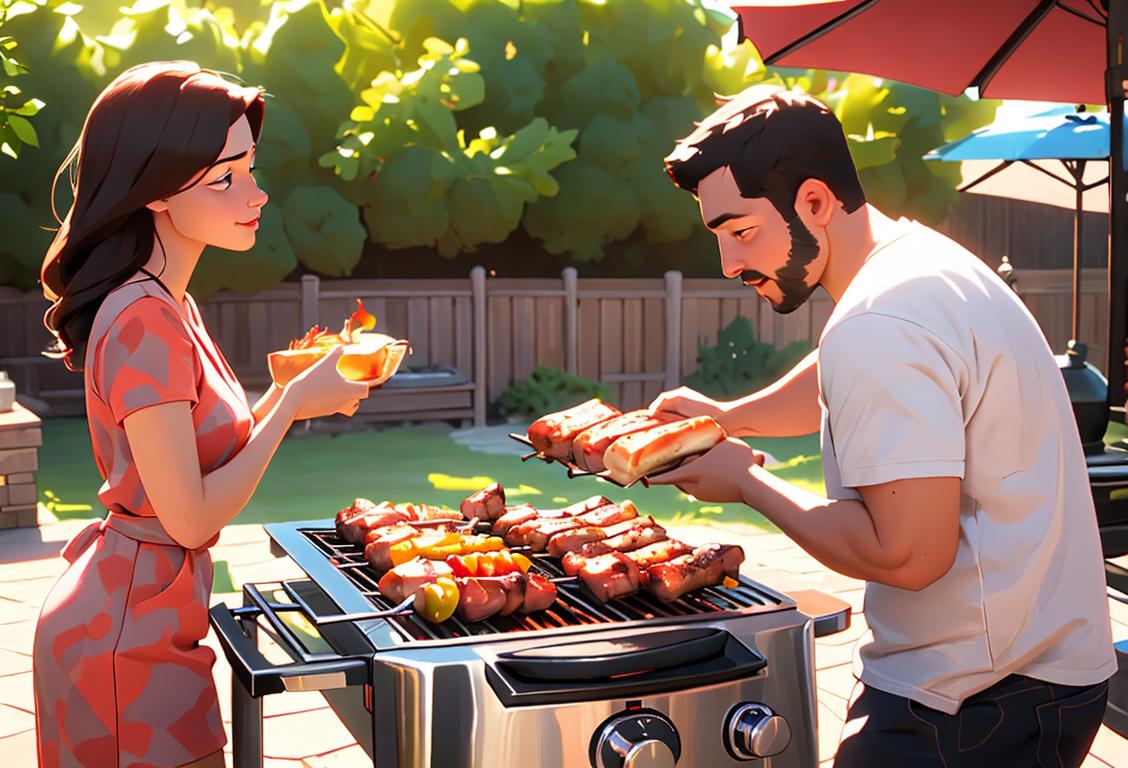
(787, 408)
(903, 533)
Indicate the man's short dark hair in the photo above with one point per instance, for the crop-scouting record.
(773, 140)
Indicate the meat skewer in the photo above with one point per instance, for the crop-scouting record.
(552, 434)
(479, 597)
(646, 556)
(535, 533)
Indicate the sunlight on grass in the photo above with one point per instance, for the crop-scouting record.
(443, 482)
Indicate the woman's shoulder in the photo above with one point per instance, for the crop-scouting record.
(134, 310)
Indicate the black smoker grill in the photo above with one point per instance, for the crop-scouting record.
(720, 677)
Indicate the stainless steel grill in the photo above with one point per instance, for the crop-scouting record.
(718, 678)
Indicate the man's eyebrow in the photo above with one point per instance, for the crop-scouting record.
(720, 219)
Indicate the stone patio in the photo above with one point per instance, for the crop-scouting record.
(29, 566)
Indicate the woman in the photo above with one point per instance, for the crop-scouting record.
(164, 168)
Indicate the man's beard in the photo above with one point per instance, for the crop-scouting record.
(792, 276)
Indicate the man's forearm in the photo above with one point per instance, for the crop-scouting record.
(787, 408)
(838, 533)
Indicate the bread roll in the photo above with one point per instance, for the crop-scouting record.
(552, 435)
(639, 454)
(589, 446)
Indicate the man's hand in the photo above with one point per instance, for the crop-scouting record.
(687, 402)
(718, 476)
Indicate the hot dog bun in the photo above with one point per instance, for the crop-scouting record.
(372, 358)
(589, 446)
(638, 454)
(552, 434)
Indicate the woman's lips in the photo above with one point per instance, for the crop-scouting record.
(253, 223)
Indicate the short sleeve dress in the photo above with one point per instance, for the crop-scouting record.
(120, 677)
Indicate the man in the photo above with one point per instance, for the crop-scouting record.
(954, 472)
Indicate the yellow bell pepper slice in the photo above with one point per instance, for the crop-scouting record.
(403, 551)
(522, 562)
(730, 583)
(437, 601)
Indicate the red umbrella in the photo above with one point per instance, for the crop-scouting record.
(1043, 50)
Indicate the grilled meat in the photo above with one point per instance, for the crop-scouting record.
(610, 576)
(657, 552)
(540, 593)
(481, 597)
(405, 579)
(525, 512)
(574, 538)
(552, 434)
(588, 446)
(352, 522)
(522, 535)
(706, 566)
(486, 504)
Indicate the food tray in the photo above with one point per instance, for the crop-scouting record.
(575, 471)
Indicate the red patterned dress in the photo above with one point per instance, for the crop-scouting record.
(120, 678)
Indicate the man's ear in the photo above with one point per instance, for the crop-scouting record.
(815, 203)
(158, 206)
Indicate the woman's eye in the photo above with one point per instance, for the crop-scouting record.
(223, 182)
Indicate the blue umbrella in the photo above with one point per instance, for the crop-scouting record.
(1074, 138)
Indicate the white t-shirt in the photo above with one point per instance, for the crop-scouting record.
(931, 366)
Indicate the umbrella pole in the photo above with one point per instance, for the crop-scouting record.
(1118, 205)
(1078, 171)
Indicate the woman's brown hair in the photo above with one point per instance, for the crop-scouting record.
(149, 135)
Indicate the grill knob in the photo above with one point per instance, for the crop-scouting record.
(754, 731)
(643, 740)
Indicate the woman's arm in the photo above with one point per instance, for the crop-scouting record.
(267, 402)
(194, 507)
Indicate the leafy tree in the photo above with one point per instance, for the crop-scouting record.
(448, 124)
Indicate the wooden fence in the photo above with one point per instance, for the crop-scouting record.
(638, 336)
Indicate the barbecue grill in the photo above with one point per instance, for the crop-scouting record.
(723, 676)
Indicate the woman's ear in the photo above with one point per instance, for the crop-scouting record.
(158, 206)
(815, 203)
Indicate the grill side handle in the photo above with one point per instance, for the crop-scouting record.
(261, 677)
(830, 614)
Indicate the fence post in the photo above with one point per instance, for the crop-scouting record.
(478, 293)
(571, 336)
(673, 328)
(310, 298)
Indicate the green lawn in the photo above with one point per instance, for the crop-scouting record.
(312, 476)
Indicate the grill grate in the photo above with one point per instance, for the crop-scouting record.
(574, 606)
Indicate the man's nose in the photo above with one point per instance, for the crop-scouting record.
(731, 265)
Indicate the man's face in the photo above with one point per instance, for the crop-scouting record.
(782, 261)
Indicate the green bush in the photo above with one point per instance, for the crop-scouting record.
(549, 390)
(740, 364)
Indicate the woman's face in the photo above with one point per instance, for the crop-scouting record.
(221, 206)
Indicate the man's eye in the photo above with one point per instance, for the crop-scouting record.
(223, 182)
(744, 233)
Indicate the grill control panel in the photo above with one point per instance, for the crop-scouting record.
(637, 738)
(754, 731)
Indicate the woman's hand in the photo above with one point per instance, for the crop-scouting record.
(321, 390)
(718, 476)
(687, 402)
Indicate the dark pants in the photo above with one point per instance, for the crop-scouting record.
(1018, 721)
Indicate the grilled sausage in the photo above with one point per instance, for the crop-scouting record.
(646, 556)
(540, 593)
(552, 434)
(523, 513)
(642, 453)
(589, 446)
(406, 578)
(610, 576)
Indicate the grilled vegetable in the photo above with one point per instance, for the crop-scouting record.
(437, 601)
